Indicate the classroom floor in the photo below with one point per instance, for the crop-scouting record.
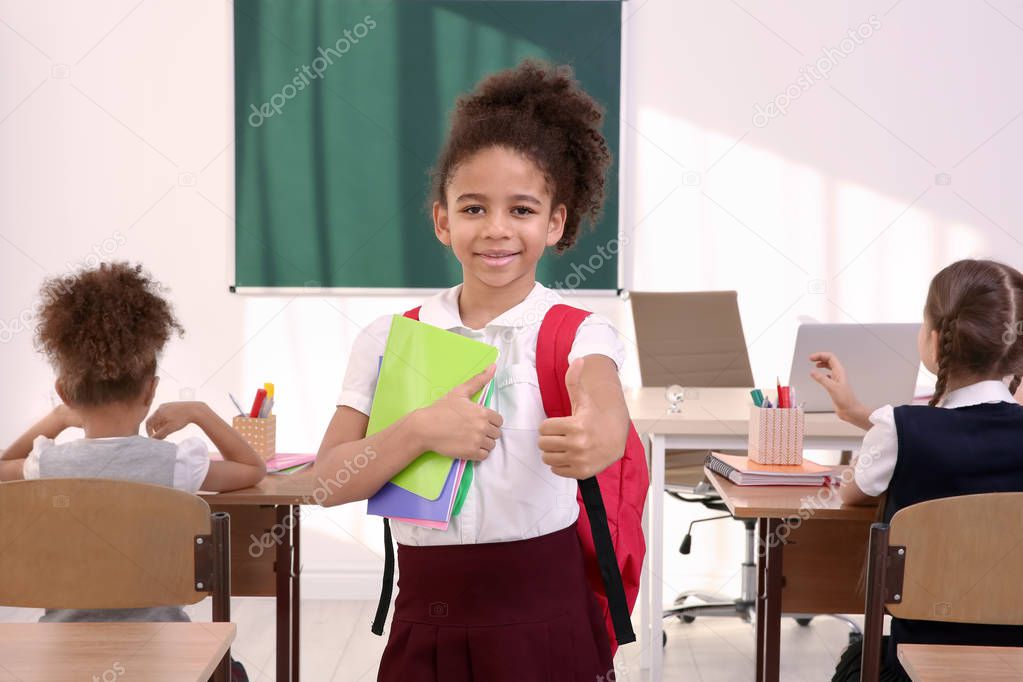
(337, 645)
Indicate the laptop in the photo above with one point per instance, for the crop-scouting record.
(881, 362)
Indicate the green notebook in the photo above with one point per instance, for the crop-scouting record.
(421, 363)
(463, 489)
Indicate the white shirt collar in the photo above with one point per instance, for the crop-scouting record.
(441, 310)
(990, 391)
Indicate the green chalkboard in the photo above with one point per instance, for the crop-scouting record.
(341, 107)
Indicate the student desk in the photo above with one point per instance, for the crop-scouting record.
(147, 652)
(810, 553)
(944, 663)
(270, 565)
(712, 419)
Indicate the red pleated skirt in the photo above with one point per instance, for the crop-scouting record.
(497, 612)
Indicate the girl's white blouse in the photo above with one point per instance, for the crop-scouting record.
(514, 495)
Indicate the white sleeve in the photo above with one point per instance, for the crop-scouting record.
(597, 336)
(30, 469)
(360, 381)
(875, 463)
(191, 464)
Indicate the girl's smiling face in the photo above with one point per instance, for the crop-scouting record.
(499, 217)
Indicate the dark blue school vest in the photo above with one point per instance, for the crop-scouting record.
(948, 452)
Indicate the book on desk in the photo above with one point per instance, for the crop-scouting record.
(743, 471)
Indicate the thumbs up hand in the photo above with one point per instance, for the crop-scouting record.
(587, 442)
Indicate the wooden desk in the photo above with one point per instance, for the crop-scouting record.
(146, 652)
(942, 663)
(810, 554)
(712, 419)
(271, 564)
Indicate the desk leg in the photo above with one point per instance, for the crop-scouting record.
(761, 612)
(655, 547)
(646, 650)
(771, 615)
(283, 566)
(296, 602)
(650, 588)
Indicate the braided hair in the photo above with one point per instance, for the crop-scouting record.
(975, 306)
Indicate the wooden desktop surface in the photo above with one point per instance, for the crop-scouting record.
(146, 652)
(943, 663)
(780, 501)
(297, 488)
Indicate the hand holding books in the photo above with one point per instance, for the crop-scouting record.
(443, 381)
(458, 427)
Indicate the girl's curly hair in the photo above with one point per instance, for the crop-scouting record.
(102, 330)
(541, 111)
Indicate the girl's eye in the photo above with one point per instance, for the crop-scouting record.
(522, 210)
(473, 210)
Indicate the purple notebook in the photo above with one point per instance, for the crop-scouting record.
(395, 501)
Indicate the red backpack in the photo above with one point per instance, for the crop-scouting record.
(611, 503)
(611, 529)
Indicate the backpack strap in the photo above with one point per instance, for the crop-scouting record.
(387, 585)
(553, 344)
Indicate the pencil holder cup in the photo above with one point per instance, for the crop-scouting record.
(776, 435)
(260, 433)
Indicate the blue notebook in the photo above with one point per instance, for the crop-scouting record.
(394, 501)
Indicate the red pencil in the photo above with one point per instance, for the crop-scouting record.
(258, 402)
(783, 397)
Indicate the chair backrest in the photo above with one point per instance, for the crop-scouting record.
(102, 544)
(690, 338)
(954, 559)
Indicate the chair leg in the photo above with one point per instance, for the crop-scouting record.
(870, 664)
(221, 588)
(223, 671)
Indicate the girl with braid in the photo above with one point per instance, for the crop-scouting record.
(968, 440)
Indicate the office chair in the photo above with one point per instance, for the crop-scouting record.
(696, 339)
(944, 560)
(105, 544)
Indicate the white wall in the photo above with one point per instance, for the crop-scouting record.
(116, 131)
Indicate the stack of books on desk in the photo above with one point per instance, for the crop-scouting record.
(743, 471)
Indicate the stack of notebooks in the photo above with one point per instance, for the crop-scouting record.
(743, 471)
(420, 364)
(288, 463)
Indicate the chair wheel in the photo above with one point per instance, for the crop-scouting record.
(803, 622)
(686, 619)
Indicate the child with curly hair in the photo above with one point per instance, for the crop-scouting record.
(102, 331)
(502, 594)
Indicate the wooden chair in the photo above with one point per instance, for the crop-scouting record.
(954, 559)
(105, 544)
